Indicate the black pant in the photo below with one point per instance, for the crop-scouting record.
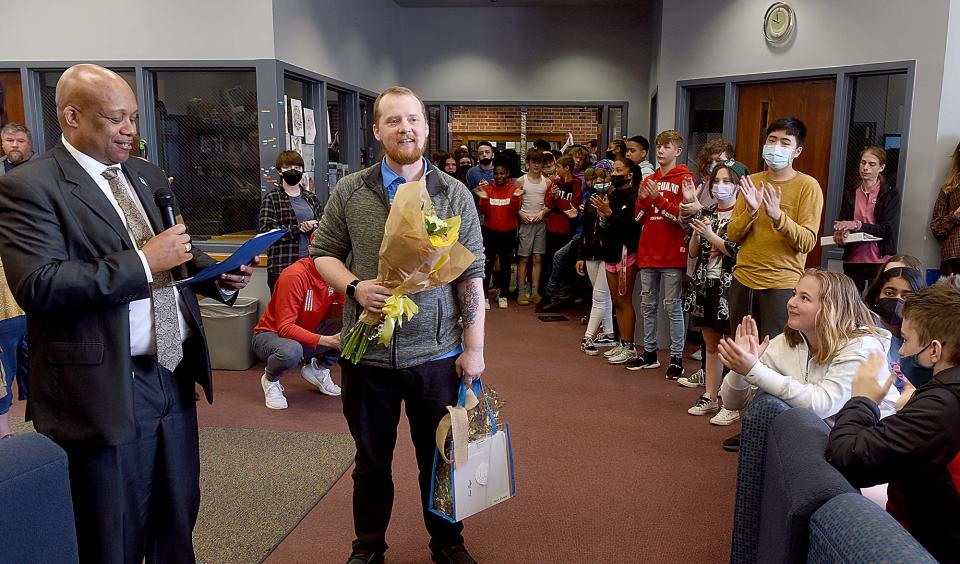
(862, 273)
(141, 499)
(768, 308)
(499, 244)
(371, 405)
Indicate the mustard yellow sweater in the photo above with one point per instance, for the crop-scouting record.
(772, 256)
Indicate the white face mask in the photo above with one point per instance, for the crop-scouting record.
(777, 157)
(723, 191)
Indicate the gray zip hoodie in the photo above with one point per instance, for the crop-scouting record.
(351, 230)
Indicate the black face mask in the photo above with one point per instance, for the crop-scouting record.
(292, 177)
(618, 180)
(462, 169)
(890, 310)
(609, 155)
(486, 162)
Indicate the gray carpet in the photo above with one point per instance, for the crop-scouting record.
(256, 486)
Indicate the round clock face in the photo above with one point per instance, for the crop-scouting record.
(778, 23)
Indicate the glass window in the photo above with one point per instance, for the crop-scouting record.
(48, 102)
(301, 126)
(876, 118)
(616, 128)
(433, 122)
(209, 144)
(370, 149)
(337, 151)
(11, 98)
(705, 112)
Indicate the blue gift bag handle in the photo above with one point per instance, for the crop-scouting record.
(478, 391)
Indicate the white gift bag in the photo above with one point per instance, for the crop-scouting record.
(481, 470)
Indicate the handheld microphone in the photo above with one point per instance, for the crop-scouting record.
(164, 200)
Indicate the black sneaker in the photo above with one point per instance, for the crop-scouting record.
(732, 444)
(675, 370)
(647, 360)
(363, 556)
(455, 554)
(588, 348)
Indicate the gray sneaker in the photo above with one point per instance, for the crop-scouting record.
(614, 351)
(626, 355)
(696, 379)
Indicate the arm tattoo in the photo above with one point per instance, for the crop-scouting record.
(470, 299)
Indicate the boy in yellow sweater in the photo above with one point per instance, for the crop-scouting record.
(775, 221)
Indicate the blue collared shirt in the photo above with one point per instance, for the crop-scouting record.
(392, 180)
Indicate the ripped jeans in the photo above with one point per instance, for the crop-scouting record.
(671, 280)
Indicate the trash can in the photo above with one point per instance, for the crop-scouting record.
(229, 329)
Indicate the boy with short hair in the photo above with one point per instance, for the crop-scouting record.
(916, 450)
(532, 234)
(775, 222)
(662, 253)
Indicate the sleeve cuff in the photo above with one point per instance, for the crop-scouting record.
(146, 266)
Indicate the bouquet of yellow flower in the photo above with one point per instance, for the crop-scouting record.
(419, 251)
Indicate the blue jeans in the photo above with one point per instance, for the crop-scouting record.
(559, 285)
(13, 354)
(650, 286)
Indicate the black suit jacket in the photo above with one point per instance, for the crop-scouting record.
(73, 269)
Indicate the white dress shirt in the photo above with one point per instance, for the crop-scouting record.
(143, 338)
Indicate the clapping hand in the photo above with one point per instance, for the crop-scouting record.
(743, 352)
(518, 192)
(480, 192)
(751, 194)
(602, 205)
(703, 227)
(771, 201)
(689, 209)
(648, 188)
(865, 382)
(689, 190)
(956, 213)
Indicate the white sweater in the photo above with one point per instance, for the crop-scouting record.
(790, 374)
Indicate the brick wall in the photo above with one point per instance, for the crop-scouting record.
(582, 121)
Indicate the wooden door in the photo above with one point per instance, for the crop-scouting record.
(11, 97)
(759, 105)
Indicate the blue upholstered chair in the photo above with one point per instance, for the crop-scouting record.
(797, 481)
(756, 420)
(36, 514)
(850, 529)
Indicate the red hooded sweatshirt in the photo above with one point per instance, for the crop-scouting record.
(663, 240)
(500, 207)
(301, 300)
(562, 197)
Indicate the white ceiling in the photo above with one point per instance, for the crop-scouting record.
(515, 3)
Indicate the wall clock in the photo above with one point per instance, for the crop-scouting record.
(779, 22)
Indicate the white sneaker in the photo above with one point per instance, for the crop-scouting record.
(614, 351)
(725, 417)
(704, 406)
(625, 356)
(320, 377)
(486, 303)
(272, 393)
(502, 303)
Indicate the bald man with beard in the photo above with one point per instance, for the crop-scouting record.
(116, 350)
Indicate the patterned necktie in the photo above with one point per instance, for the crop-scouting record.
(166, 324)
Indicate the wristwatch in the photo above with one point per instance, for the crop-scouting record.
(351, 290)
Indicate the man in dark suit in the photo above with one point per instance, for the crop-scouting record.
(115, 349)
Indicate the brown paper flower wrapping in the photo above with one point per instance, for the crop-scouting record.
(409, 260)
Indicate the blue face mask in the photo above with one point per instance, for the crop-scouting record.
(916, 373)
(777, 157)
